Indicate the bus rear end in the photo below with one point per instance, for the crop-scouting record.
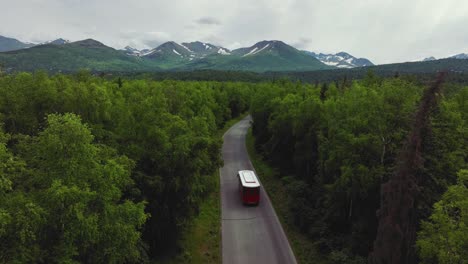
(251, 195)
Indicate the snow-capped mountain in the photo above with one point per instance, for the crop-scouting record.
(170, 49)
(461, 56)
(59, 41)
(191, 51)
(131, 51)
(175, 52)
(264, 55)
(135, 52)
(263, 47)
(267, 55)
(9, 44)
(341, 60)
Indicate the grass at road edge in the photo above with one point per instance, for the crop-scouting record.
(303, 248)
(201, 243)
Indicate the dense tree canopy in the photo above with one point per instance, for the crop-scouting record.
(443, 238)
(97, 171)
(336, 144)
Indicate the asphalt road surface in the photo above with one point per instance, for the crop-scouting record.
(250, 234)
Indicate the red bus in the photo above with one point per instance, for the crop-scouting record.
(249, 187)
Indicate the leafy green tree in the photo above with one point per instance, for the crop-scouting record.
(80, 188)
(443, 238)
(20, 216)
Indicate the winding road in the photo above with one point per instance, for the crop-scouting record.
(250, 234)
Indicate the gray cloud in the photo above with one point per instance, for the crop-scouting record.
(208, 21)
(384, 31)
(302, 43)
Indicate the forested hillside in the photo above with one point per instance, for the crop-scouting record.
(335, 145)
(71, 57)
(97, 171)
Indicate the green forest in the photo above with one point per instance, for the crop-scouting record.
(341, 147)
(111, 170)
(97, 171)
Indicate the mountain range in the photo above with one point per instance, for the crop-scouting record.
(265, 55)
(68, 57)
(61, 55)
(461, 56)
(198, 50)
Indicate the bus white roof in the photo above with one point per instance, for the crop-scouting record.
(249, 179)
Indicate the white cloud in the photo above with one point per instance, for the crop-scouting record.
(143, 40)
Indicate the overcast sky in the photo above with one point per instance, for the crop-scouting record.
(383, 31)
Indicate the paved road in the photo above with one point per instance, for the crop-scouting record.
(250, 234)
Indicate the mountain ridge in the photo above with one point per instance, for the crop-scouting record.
(263, 56)
(459, 56)
(89, 53)
(266, 55)
(341, 60)
(10, 44)
(83, 54)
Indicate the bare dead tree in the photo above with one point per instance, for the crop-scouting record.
(396, 233)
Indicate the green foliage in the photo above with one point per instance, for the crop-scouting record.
(69, 208)
(286, 205)
(101, 171)
(97, 170)
(443, 238)
(339, 143)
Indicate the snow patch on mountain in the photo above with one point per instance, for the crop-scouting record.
(132, 51)
(186, 48)
(206, 46)
(251, 52)
(266, 46)
(330, 63)
(223, 51)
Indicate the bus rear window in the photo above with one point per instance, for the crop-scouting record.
(251, 191)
